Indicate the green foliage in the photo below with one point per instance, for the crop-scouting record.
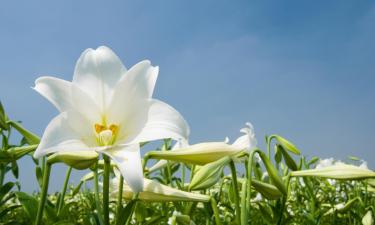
(283, 188)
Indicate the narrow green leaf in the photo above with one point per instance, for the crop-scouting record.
(289, 161)
(31, 138)
(3, 118)
(29, 204)
(127, 212)
(4, 190)
(39, 176)
(15, 169)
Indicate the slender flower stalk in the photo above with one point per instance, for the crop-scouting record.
(97, 199)
(107, 168)
(62, 195)
(119, 198)
(43, 197)
(235, 190)
(215, 210)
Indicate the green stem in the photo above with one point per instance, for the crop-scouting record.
(47, 172)
(243, 203)
(215, 210)
(235, 190)
(2, 174)
(62, 195)
(144, 161)
(183, 176)
(119, 198)
(248, 184)
(107, 168)
(97, 199)
(284, 199)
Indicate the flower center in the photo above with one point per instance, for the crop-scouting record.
(106, 135)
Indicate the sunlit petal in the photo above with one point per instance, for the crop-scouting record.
(68, 131)
(97, 72)
(163, 121)
(65, 95)
(128, 160)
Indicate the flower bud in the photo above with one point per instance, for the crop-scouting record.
(209, 174)
(155, 192)
(287, 144)
(338, 171)
(199, 154)
(77, 159)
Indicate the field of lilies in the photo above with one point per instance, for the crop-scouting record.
(107, 115)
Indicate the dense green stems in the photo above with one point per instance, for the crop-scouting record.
(235, 190)
(215, 210)
(62, 194)
(97, 199)
(119, 198)
(107, 170)
(284, 199)
(42, 202)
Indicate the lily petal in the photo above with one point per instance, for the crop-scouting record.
(97, 72)
(163, 122)
(66, 132)
(131, 96)
(65, 96)
(128, 160)
(246, 141)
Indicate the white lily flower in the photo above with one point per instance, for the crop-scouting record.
(108, 109)
(207, 152)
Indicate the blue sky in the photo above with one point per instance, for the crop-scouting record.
(301, 69)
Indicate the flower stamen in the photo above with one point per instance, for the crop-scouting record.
(106, 135)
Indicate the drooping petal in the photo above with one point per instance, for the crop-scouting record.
(66, 96)
(128, 160)
(130, 100)
(97, 72)
(68, 131)
(163, 121)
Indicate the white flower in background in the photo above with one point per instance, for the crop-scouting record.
(258, 198)
(363, 165)
(325, 163)
(206, 152)
(108, 109)
(248, 140)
